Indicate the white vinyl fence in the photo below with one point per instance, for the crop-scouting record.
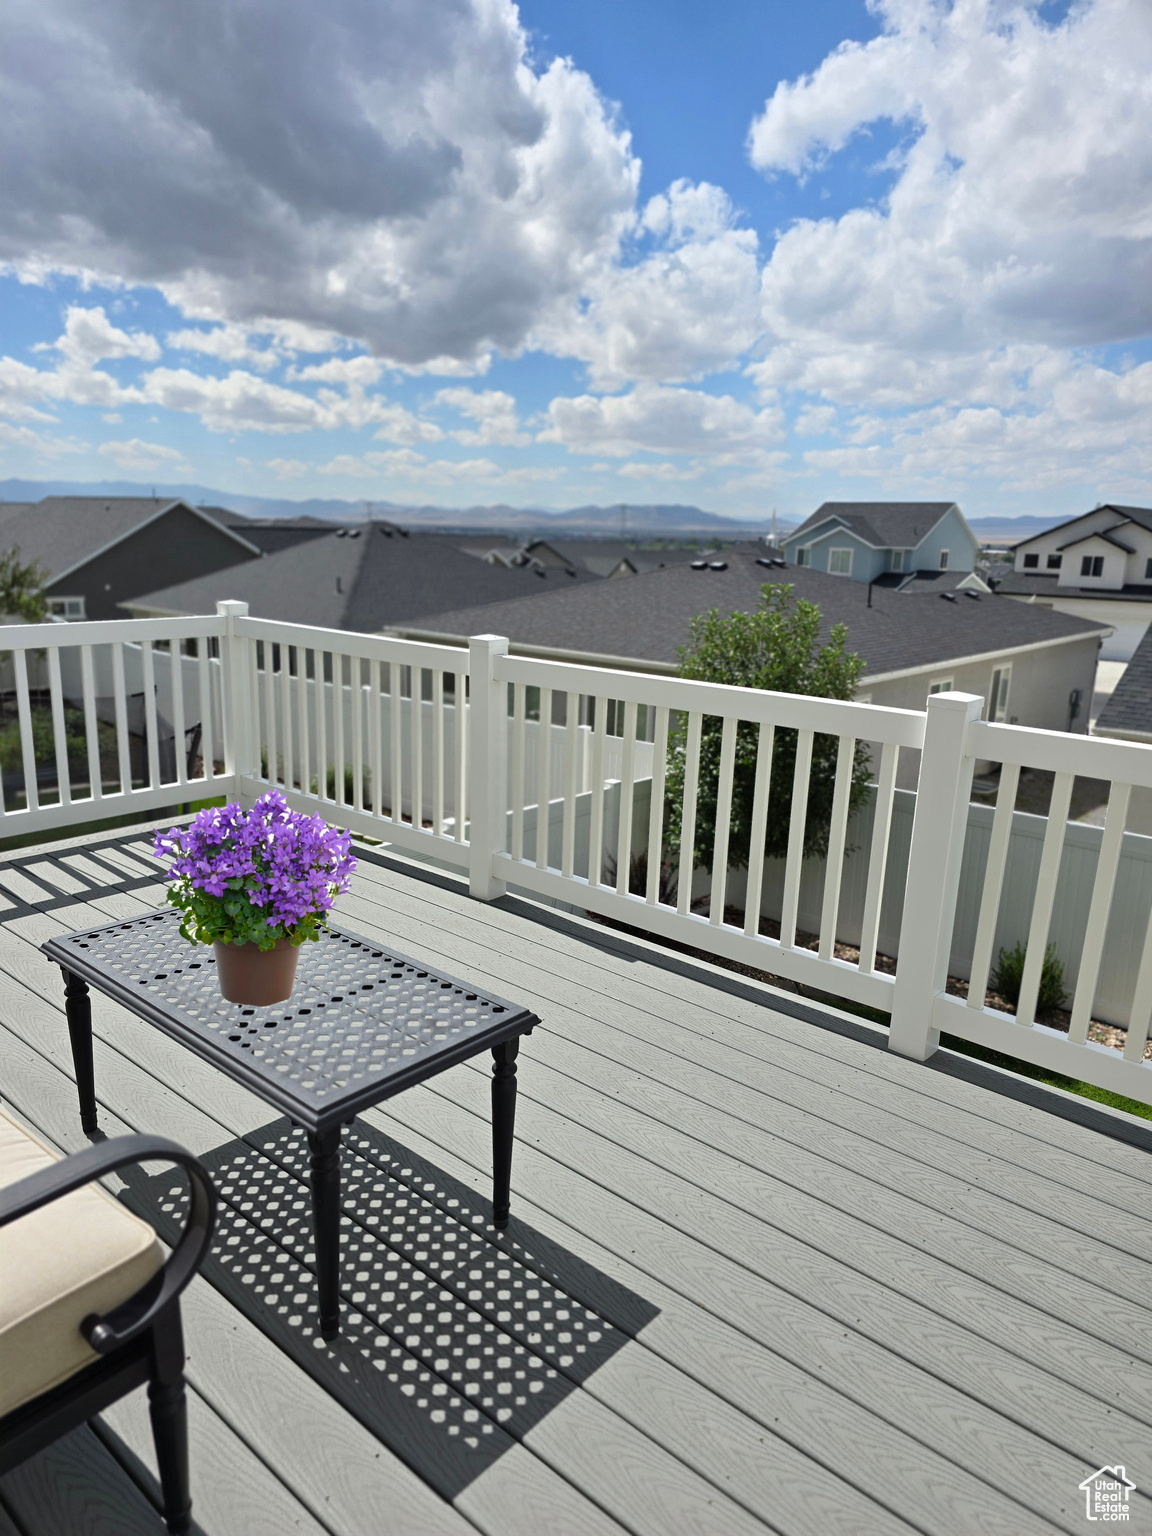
(448, 753)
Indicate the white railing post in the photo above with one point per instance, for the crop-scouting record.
(487, 759)
(933, 872)
(239, 740)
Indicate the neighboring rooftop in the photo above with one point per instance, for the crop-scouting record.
(646, 619)
(1044, 587)
(883, 524)
(271, 534)
(357, 578)
(1128, 713)
(62, 532)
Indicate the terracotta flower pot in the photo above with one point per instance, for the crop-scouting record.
(257, 977)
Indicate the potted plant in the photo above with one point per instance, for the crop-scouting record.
(256, 885)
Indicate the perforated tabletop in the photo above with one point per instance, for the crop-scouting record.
(362, 1024)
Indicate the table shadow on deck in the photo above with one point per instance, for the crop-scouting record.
(453, 1346)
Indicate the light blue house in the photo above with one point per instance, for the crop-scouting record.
(867, 540)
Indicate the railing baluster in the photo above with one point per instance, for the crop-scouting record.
(91, 727)
(544, 777)
(417, 708)
(688, 813)
(519, 693)
(719, 888)
(596, 820)
(273, 773)
(286, 714)
(753, 890)
(375, 752)
(461, 752)
(627, 783)
(1140, 1017)
(1108, 861)
(437, 751)
(356, 702)
(1045, 897)
(180, 734)
(303, 716)
(27, 744)
(204, 678)
(656, 808)
(878, 855)
(256, 709)
(120, 701)
(837, 837)
(338, 794)
(322, 725)
(794, 863)
(149, 681)
(59, 734)
(397, 741)
(572, 747)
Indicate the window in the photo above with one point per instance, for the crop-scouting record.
(998, 693)
(941, 685)
(1055, 562)
(840, 562)
(943, 559)
(803, 556)
(1092, 565)
(66, 607)
(898, 560)
(1148, 570)
(1031, 562)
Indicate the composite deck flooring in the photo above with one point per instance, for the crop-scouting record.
(761, 1275)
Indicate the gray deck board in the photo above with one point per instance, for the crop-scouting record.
(841, 1291)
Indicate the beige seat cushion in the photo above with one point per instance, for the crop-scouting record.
(82, 1253)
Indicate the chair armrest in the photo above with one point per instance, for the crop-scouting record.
(137, 1314)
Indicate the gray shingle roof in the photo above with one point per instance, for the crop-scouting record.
(646, 617)
(883, 524)
(1043, 586)
(358, 578)
(1129, 710)
(61, 532)
(1140, 515)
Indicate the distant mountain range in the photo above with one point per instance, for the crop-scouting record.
(623, 519)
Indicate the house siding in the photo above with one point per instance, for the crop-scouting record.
(867, 563)
(1042, 681)
(950, 534)
(177, 546)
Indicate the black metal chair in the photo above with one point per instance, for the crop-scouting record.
(60, 1374)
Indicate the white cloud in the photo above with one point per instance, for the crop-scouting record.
(436, 196)
(1021, 215)
(359, 371)
(288, 469)
(406, 464)
(689, 307)
(661, 470)
(493, 411)
(661, 420)
(229, 343)
(142, 457)
(90, 337)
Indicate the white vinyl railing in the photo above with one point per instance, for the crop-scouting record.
(551, 778)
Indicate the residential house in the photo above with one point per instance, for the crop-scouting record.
(1034, 668)
(99, 550)
(867, 540)
(610, 558)
(271, 534)
(358, 577)
(1098, 565)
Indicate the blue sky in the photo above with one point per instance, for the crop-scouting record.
(744, 256)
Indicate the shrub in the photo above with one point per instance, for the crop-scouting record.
(1009, 973)
(776, 648)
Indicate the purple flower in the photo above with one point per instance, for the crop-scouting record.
(290, 866)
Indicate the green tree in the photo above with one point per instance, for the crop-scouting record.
(22, 587)
(777, 648)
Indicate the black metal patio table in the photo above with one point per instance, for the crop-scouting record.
(363, 1023)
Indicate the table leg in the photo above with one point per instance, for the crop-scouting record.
(324, 1178)
(503, 1125)
(78, 1007)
